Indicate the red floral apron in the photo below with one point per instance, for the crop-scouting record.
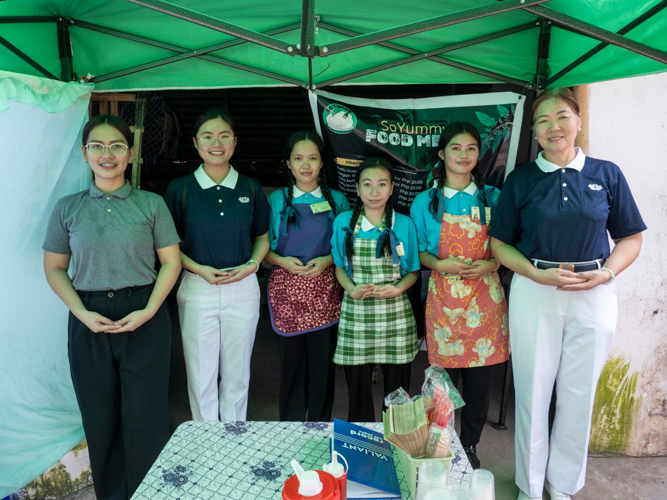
(466, 320)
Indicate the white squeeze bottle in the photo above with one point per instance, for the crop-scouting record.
(336, 469)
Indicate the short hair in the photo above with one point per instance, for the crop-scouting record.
(114, 121)
(211, 114)
(561, 93)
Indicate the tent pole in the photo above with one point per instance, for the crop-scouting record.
(307, 45)
(625, 29)
(28, 19)
(24, 57)
(65, 51)
(542, 69)
(583, 28)
(216, 24)
(431, 55)
(582, 93)
(429, 24)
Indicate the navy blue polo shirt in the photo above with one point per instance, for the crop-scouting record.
(563, 214)
(221, 221)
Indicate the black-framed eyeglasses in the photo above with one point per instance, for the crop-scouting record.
(117, 150)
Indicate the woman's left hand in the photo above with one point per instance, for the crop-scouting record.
(132, 321)
(593, 279)
(480, 269)
(241, 272)
(385, 291)
(316, 267)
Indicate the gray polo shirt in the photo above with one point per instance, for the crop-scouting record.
(111, 237)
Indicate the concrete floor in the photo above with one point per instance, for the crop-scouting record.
(609, 477)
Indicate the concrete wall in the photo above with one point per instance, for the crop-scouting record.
(628, 125)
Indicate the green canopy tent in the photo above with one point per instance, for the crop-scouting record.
(151, 44)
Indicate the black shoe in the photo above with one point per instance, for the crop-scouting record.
(471, 452)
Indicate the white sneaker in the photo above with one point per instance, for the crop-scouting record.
(556, 494)
(523, 496)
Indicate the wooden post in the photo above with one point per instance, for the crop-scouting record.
(582, 93)
(138, 131)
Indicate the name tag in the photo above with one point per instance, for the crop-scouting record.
(400, 251)
(487, 212)
(320, 207)
(474, 213)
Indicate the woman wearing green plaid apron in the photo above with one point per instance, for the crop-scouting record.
(376, 254)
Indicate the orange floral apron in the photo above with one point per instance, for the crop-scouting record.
(466, 320)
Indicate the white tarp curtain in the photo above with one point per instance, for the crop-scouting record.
(40, 162)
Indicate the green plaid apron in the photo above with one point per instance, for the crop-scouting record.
(375, 330)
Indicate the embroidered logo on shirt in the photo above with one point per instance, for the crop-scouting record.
(244, 199)
(595, 187)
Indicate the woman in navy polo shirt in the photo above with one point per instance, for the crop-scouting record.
(552, 225)
(304, 295)
(223, 218)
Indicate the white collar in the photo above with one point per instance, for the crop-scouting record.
(471, 189)
(206, 182)
(367, 226)
(546, 166)
(296, 192)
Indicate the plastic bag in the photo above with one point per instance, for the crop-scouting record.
(397, 397)
(436, 375)
(440, 438)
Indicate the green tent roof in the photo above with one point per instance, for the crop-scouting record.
(152, 44)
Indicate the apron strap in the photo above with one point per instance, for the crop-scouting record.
(392, 243)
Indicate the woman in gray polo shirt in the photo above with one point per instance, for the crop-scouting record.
(119, 329)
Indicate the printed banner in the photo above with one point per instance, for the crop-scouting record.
(406, 133)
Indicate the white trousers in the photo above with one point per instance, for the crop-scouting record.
(218, 325)
(563, 337)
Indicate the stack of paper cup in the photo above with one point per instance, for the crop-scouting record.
(432, 476)
(460, 491)
(482, 485)
(439, 495)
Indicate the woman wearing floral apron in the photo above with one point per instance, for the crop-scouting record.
(304, 295)
(466, 311)
(376, 255)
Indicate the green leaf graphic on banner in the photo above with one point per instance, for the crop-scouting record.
(504, 112)
(485, 119)
(496, 141)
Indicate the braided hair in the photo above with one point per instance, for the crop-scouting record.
(307, 135)
(477, 174)
(359, 206)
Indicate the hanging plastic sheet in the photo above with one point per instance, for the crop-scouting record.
(40, 162)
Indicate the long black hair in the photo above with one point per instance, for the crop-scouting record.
(452, 130)
(359, 206)
(307, 135)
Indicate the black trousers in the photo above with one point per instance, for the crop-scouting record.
(121, 383)
(476, 396)
(307, 375)
(360, 385)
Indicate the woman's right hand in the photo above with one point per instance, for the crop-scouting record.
(293, 265)
(362, 291)
(452, 266)
(554, 277)
(96, 322)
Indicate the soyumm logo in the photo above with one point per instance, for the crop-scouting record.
(339, 118)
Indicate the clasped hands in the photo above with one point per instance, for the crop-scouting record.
(311, 269)
(569, 280)
(472, 271)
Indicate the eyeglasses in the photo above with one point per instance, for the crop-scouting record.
(117, 150)
(209, 140)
